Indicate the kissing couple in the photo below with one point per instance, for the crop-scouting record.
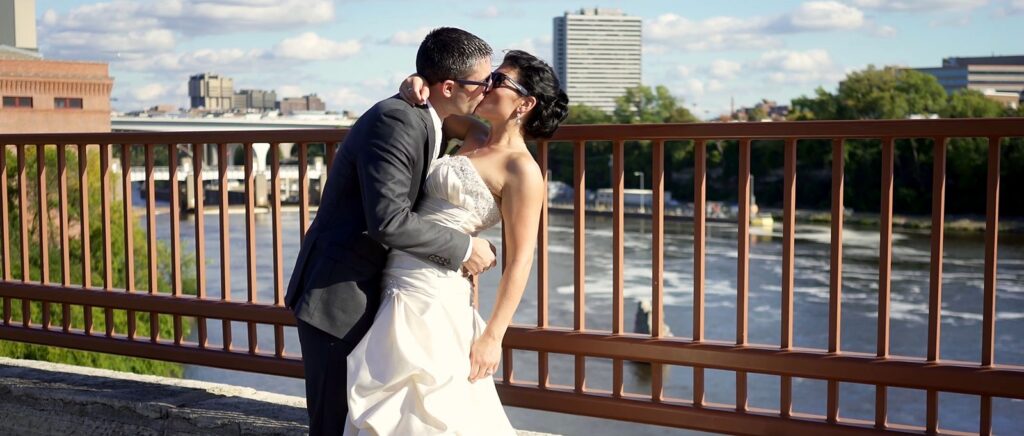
(391, 343)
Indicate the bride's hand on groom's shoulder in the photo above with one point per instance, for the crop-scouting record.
(484, 357)
(414, 90)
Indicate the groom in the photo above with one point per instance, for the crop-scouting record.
(366, 209)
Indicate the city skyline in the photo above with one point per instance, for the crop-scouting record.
(353, 53)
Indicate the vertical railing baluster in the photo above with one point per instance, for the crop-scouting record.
(198, 150)
(618, 255)
(65, 252)
(935, 280)
(579, 246)
(836, 273)
(884, 274)
(83, 205)
(175, 220)
(5, 234)
(44, 229)
(742, 264)
(988, 324)
(129, 224)
(225, 239)
(26, 307)
(330, 149)
(250, 240)
(699, 217)
(788, 265)
(303, 190)
(106, 153)
(657, 262)
(154, 268)
(543, 148)
(275, 216)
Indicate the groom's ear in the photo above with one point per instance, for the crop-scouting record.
(447, 88)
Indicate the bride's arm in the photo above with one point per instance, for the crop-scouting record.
(414, 90)
(522, 199)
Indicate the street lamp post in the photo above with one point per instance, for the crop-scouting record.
(640, 175)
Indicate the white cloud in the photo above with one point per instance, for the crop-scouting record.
(792, 66)
(1010, 7)
(290, 91)
(489, 12)
(724, 69)
(825, 15)
(690, 88)
(311, 47)
(918, 5)
(348, 98)
(121, 29)
(683, 71)
(270, 13)
(672, 31)
(540, 47)
(150, 92)
(883, 31)
(228, 60)
(717, 33)
(191, 16)
(110, 46)
(413, 37)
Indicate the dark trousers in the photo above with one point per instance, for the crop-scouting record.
(323, 356)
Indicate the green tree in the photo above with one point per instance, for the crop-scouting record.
(970, 103)
(642, 105)
(823, 106)
(583, 114)
(31, 222)
(889, 93)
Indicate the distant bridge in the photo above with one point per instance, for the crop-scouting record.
(234, 172)
(169, 124)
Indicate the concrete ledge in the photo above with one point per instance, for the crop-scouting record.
(41, 398)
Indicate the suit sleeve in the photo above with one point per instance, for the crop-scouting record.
(385, 177)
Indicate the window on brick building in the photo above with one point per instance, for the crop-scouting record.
(67, 103)
(17, 102)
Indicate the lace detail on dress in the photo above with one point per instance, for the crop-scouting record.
(484, 205)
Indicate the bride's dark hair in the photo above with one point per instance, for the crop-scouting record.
(540, 81)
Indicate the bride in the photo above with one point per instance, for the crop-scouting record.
(426, 365)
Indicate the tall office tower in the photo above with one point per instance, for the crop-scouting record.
(597, 55)
(211, 91)
(18, 24)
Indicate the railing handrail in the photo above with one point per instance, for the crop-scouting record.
(924, 128)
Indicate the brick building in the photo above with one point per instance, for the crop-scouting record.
(291, 105)
(52, 96)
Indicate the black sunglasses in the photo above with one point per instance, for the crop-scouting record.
(496, 80)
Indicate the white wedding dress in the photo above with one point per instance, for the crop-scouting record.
(410, 373)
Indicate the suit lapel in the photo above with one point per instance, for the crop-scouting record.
(429, 123)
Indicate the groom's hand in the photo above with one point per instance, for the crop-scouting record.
(483, 257)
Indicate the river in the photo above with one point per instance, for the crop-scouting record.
(961, 312)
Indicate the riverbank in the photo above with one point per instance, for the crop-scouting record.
(955, 224)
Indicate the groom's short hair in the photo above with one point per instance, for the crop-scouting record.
(449, 53)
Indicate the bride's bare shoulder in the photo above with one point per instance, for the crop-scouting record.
(522, 169)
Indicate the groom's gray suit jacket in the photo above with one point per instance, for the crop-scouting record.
(366, 208)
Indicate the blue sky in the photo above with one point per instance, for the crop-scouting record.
(353, 52)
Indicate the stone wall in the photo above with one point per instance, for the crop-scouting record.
(41, 398)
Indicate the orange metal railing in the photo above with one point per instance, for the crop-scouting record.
(985, 379)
